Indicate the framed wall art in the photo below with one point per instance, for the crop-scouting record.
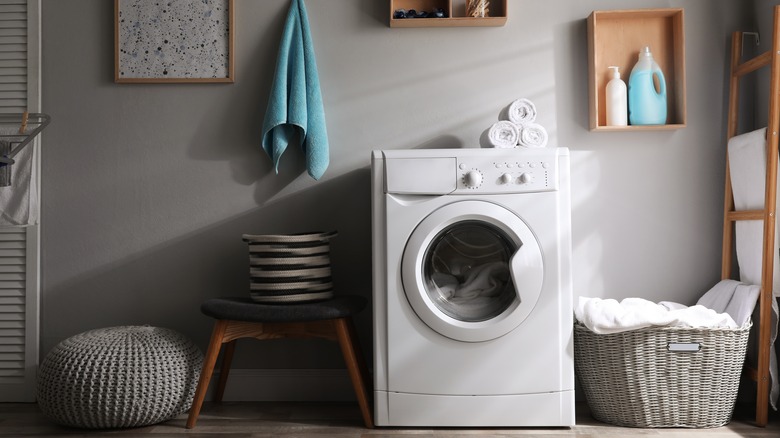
(164, 41)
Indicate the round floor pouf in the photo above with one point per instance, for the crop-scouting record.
(119, 377)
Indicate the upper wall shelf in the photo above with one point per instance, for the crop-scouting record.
(454, 14)
(615, 38)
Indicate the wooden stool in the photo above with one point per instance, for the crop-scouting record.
(243, 318)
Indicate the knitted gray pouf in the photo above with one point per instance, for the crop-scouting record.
(119, 377)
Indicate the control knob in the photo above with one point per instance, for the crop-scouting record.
(505, 178)
(472, 179)
(526, 178)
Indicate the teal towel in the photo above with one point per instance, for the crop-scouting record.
(296, 101)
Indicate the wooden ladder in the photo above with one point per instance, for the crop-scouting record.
(739, 69)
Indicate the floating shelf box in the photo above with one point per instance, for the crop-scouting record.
(455, 14)
(615, 38)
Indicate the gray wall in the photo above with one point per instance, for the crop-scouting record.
(148, 188)
(763, 24)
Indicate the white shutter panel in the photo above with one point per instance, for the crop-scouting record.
(19, 247)
(13, 56)
(12, 296)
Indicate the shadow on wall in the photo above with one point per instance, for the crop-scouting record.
(572, 37)
(375, 10)
(165, 285)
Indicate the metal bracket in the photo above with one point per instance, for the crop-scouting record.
(753, 34)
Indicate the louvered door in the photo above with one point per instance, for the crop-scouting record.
(19, 248)
(18, 317)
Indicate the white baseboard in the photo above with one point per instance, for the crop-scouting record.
(285, 385)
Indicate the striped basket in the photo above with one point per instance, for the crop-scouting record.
(286, 268)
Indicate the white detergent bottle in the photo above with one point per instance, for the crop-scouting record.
(616, 104)
(646, 105)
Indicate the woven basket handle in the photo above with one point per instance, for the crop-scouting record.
(683, 347)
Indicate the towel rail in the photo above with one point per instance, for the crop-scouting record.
(30, 125)
(745, 215)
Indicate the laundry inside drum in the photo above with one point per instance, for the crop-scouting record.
(466, 271)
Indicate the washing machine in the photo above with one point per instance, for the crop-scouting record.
(472, 288)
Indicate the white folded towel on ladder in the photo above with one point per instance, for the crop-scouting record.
(747, 167)
(19, 201)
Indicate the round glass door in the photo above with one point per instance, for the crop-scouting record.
(466, 271)
(472, 271)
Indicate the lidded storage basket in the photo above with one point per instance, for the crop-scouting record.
(661, 376)
(286, 268)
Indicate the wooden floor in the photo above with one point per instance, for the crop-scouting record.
(338, 420)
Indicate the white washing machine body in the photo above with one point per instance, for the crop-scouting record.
(472, 288)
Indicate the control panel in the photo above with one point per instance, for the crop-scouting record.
(510, 175)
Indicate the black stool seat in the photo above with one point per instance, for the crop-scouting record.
(244, 309)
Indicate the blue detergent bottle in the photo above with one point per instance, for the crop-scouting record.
(646, 106)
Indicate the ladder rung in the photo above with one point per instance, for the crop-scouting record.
(745, 215)
(753, 64)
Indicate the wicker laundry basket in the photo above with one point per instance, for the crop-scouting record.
(286, 268)
(661, 376)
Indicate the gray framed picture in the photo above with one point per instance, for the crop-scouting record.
(173, 41)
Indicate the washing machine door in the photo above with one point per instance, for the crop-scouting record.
(472, 271)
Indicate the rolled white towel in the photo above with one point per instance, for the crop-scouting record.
(532, 135)
(522, 111)
(504, 134)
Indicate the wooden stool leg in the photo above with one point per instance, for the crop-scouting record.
(227, 358)
(208, 368)
(356, 365)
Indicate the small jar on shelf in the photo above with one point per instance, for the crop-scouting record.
(477, 8)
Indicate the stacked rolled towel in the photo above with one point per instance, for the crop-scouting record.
(520, 130)
(532, 135)
(522, 111)
(504, 134)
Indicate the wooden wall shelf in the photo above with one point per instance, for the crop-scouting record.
(615, 38)
(454, 10)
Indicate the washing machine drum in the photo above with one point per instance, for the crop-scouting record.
(472, 271)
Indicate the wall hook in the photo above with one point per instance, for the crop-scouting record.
(753, 34)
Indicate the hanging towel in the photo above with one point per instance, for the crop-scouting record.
(739, 300)
(774, 393)
(19, 200)
(752, 351)
(733, 297)
(295, 106)
(747, 167)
